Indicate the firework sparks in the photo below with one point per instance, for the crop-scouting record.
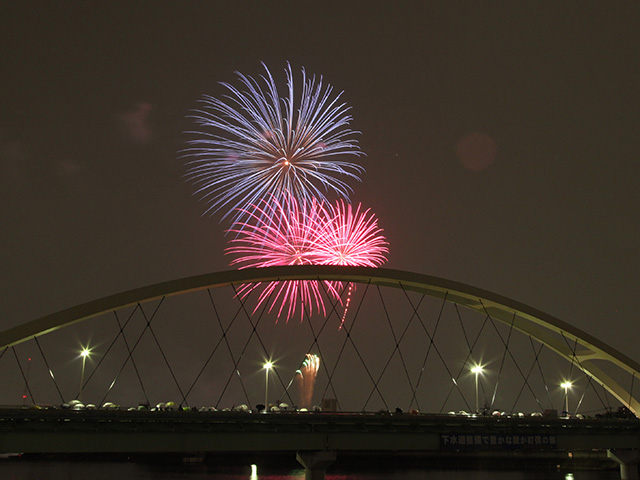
(254, 142)
(292, 232)
(306, 378)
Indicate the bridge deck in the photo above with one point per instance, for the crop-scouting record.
(55, 431)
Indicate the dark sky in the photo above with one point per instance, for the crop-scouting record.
(502, 142)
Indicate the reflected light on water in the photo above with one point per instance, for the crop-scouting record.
(293, 475)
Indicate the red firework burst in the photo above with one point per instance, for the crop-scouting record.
(313, 232)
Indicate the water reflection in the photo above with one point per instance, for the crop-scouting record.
(65, 470)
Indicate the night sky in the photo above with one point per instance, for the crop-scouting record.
(502, 142)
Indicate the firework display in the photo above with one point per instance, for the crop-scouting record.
(292, 232)
(306, 379)
(267, 161)
(254, 143)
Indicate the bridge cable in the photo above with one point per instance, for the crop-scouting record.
(544, 381)
(414, 394)
(396, 348)
(502, 362)
(633, 377)
(166, 360)
(513, 358)
(316, 336)
(264, 347)
(253, 332)
(515, 363)
(342, 348)
(575, 358)
(308, 314)
(235, 361)
(533, 364)
(584, 392)
(135, 345)
(606, 394)
(432, 343)
(49, 368)
(357, 351)
(349, 338)
(115, 339)
(464, 365)
(431, 338)
(333, 311)
(464, 330)
(222, 339)
(26, 381)
(133, 362)
(589, 379)
(305, 314)
(573, 353)
(470, 346)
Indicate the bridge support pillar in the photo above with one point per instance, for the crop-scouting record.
(315, 463)
(628, 459)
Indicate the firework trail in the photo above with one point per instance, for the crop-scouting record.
(306, 379)
(254, 142)
(292, 232)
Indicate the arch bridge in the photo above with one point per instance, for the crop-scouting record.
(594, 358)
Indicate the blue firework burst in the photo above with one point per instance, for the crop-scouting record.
(254, 142)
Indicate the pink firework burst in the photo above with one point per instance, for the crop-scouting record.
(350, 238)
(289, 232)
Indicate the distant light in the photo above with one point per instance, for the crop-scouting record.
(268, 365)
(566, 385)
(85, 352)
(477, 369)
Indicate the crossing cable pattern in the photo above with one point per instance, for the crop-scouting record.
(576, 360)
(396, 347)
(48, 368)
(579, 349)
(130, 352)
(465, 364)
(109, 349)
(223, 339)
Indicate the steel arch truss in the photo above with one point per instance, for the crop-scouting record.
(576, 346)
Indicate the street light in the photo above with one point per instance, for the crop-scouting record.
(84, 354)
(267, 366)
(477, 370)
(566, 386)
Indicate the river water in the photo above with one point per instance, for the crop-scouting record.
(79, 470)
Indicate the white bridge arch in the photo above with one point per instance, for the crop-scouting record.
(587, 352)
